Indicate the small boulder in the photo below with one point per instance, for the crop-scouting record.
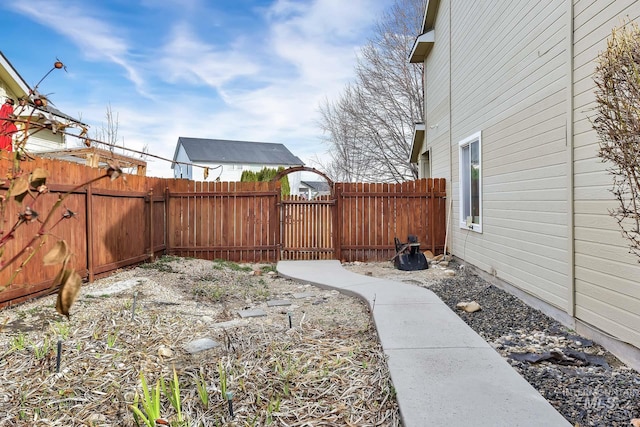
(469, 307)
(199, 345)
(165, 352)
(428, 255)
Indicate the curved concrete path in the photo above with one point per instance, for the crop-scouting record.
(444, 373)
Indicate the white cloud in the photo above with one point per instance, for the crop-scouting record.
(189, 59)
(97, 39)
(264, 85)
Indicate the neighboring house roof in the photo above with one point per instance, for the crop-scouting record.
(243, 152)
(319, 186)
(58, 113)
(21, 88)
(11, 77)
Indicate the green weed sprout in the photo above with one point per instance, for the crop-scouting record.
(201, 384)
(223, 380)
(173, 394)
(111, 339)
(19, 342)
(150, 404)
(41, 351)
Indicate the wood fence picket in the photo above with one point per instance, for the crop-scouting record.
(135, 219)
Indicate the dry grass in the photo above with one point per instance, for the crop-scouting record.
(320, 372)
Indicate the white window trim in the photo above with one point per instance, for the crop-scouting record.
(466, 142)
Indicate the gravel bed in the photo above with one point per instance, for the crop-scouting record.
(584, 382)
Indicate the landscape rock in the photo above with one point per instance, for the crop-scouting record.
(469, 307)
(301, 295)
(278, 303)
(254, 312)
(428, 255)
(165, 352)
(199, 345)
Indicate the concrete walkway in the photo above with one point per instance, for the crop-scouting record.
(444, 373)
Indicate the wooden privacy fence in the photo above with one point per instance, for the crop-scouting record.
(251, 222)
(236, 221)
(116, 224)
(125, 222)
(369, 216)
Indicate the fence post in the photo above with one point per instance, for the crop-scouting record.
(337, 224)
(89, 225)
(167, 222)
(280, 220)
(151, 251)
(431, 215)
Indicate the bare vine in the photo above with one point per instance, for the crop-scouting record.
(27, 190)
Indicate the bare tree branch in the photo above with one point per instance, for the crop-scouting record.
(369, 128)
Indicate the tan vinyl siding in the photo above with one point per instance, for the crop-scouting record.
(437, 97)
(607, 276)
(509, 80)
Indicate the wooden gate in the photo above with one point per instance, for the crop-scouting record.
(307, 228)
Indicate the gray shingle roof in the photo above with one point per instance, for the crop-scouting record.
(244, 152)
(317, 185)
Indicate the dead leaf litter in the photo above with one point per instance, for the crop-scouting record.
(312, 359)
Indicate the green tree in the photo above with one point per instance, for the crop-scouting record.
(266, 175)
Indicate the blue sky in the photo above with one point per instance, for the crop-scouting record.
(252, 70)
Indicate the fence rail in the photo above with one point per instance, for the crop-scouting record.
(125, 222)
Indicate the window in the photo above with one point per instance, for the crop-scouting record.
(471, 183)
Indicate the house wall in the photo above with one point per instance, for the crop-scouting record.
(6, 92)
(607, 277)
(182, 170)
(45, 141)
(233, 172)
(508, 79)
(437, 70)
(522, 74)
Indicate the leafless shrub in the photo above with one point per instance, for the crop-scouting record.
(617, 122)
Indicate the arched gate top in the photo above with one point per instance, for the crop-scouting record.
(285, 172)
